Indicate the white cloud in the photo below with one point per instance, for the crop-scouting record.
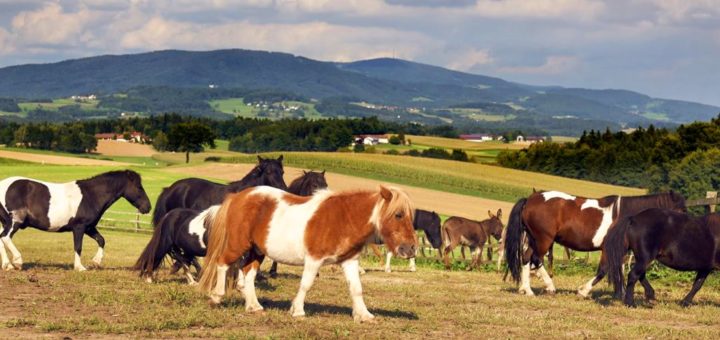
(675, 11)
(471, 58)
(559, 9)
(50, 25)
(553, 65)
(5, 45)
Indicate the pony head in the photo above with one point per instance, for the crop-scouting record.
(135, 193)
(308, 183)
(677, 202)
(394, 222)
(429, 221)
(495, 225)
(271, 172)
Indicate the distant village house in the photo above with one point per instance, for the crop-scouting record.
(481, 137)
(135, 137)
(529, 139)
(371, 139)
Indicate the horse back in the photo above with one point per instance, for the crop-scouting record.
(194, 193)
(470, 230)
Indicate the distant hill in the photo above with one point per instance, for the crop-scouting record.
(389, 82)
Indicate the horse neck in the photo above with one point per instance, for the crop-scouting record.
(253, 178)
(631, 205)
(359, 209)
(296, 187)
(105, 189)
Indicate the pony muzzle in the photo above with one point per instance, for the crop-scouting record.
(406, 250)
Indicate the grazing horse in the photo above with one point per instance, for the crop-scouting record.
(200, 194)
(428, 221)
(310, 231)
(675, 239)
(73, 206)
(462, 231)
(304, 185)
(578, 223)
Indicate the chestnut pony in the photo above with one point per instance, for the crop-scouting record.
(325, 228)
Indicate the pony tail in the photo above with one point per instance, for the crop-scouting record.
(159, 246)
(514, 238)
(160, 208)
(217, 244)
(615, 247)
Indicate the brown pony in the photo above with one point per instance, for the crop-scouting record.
(466, 232)
(578, 223)
(310, 231)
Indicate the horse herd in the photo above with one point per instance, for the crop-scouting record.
(235, 226)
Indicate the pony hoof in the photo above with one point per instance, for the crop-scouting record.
(367, 317)
(362, 271)
(388, 270)
(297, 314)
(685, 304)
(80, 269)
(550, 292)
(7, 267)
(149, 279)
(95, 265)
(254, 309)
(192, 284)
(413, 269)
(215, 300)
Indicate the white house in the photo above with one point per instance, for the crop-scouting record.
(482, 137)
(371, 139)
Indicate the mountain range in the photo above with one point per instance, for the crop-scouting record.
(384, 81)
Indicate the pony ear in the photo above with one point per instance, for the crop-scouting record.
(304, 172)
(385, 193)
(280, 158)
(534, 191)
(490, 214)
(499, 214)
(323, 172)
(260, 159)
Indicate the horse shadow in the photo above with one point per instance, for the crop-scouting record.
(46, 266)
(319, 308)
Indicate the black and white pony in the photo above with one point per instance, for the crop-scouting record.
(73, 206)
(182, 233)
(427, 221)
(200, 194)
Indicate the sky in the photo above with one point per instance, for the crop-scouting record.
(663, 48)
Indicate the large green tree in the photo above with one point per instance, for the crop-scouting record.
(190, 137)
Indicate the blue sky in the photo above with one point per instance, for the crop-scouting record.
(664, 48)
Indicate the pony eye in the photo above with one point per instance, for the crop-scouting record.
(399, 215)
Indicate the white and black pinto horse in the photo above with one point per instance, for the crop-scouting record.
(73, 206)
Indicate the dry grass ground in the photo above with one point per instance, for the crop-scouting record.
(58, 160)
(452, 143)
(115, 148)
(48, 299)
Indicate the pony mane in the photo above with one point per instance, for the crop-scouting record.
(400, 201)
(254, 173)
(114, 173)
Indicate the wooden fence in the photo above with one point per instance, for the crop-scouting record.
(125, 221)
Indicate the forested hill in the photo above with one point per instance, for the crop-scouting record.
(380, 81)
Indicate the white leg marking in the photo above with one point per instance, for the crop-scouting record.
(240, 283)
(99, 256)
(412, 265)
(219, 291)
(361, 270)
(387, 262)
(17, 257)
(549, 285)
(190, 279)
(360, 311)
(5, 260)
(251, 302)
(78, 265)
(584, 290)
(308, 277)
(525, 281)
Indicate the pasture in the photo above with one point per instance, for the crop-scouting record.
(49, 298)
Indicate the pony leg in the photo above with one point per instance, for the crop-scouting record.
(549, 285)
(474, 254)
(7, 241)
(5, 260)
(251, 301)
(649, 291)
(525, 280)
(699, 280)
(310, 271)
(219, 291)
(412, 265)
(273, 270)
(501, 256)
(77, 239)
(95, 235)
(360, 312)
(387, 261)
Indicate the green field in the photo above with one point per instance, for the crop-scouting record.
(236, 106)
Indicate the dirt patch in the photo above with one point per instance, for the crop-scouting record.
(57, 160)
(439, 201)
(115, 148)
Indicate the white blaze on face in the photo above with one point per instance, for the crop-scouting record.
(63, 204)
(548, 195)
(286, 233)
(604, 223)
(197, 224)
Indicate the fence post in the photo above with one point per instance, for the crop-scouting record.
(422, 246)
(711, 207)
(137, 222)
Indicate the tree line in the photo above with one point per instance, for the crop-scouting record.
(684, 160)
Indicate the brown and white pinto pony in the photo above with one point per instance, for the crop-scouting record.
(578, 223)
(325, 228)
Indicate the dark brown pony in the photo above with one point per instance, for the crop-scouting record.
(324, 228)
(578, 223)
(466, 232)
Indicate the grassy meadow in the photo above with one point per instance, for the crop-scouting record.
(48, 298)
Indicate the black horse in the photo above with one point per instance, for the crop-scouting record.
(73, 206)
(675, 239)
(200, 194)
(183, 233)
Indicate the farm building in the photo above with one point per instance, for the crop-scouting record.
(135, 137)
(482, 137)
(529, 139)
(371, 139)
